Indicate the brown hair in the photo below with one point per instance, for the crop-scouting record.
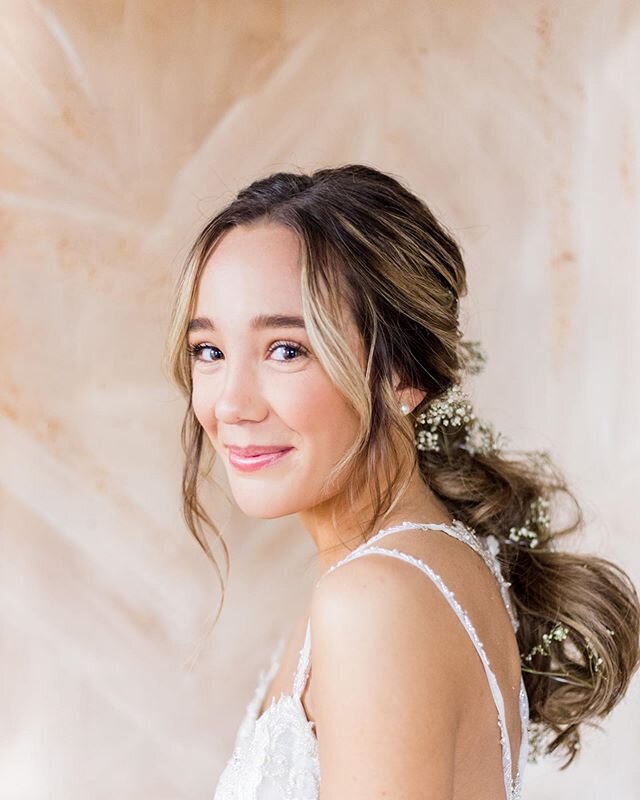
(371, 248)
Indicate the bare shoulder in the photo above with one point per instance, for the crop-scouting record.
(394, 597)
(378, 601)
(389, 680)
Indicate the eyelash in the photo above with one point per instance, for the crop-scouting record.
(195, 350)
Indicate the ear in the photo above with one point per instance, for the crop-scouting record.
(407, 394)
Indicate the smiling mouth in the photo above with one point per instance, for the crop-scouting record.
(256, 449)
(251, 463)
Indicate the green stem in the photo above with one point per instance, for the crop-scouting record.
(558, 675)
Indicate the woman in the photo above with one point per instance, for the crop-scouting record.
(315, 335)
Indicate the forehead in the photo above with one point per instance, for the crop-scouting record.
(254, 272)
(250, 265)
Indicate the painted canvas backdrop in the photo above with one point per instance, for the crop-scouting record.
(123, 126)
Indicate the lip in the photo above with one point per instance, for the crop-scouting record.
(251, 463)
(256, 449)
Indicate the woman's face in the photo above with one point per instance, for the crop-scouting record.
(257, 382)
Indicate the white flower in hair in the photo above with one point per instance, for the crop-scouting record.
(453, 410)
(536, 522)
(472, 357)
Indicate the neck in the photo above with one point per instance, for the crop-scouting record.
(333, 541)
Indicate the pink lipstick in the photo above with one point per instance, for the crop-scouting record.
(250, 459)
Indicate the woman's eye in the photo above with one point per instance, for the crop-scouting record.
(291, 347)
(195, 351)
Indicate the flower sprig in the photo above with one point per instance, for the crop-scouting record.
(559, 633)
(453, 410)
(472, 357)
(536, 522)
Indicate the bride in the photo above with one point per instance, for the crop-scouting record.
(315, 336)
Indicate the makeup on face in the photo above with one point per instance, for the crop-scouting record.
(242, 461)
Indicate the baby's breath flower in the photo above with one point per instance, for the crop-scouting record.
(536, 522)
(453, 410)
(472, 356)
(482, 439)
(539, 514)
(518, 534)
(541, 459)
(595, 660)
(557, 633)
(537, 732)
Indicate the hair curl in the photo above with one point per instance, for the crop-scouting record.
(372, 249)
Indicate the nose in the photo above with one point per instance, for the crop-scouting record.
(240, 395)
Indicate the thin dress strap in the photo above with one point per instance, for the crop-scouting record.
(488, 553)
(302, 670)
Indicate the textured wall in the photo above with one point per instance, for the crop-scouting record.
(123, 125)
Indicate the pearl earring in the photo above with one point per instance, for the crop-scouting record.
(405, 408)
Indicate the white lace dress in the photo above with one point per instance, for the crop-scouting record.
(275, 755)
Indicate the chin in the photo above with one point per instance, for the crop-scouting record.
(255, 512)
(257, 505)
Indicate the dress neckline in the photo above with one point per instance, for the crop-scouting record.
(276, 658)
(487, 550)
(268, 674)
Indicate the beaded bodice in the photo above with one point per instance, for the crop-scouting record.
(275, 754)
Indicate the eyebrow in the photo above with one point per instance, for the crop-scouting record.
(260, 322)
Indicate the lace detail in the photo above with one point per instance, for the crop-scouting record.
(275, 755)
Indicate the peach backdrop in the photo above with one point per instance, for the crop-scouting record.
(124, 125)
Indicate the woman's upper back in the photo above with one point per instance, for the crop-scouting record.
(276, 754)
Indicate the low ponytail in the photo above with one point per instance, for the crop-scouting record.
(579, 614)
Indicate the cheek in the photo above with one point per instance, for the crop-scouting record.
(323, 420)
(312, 409)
